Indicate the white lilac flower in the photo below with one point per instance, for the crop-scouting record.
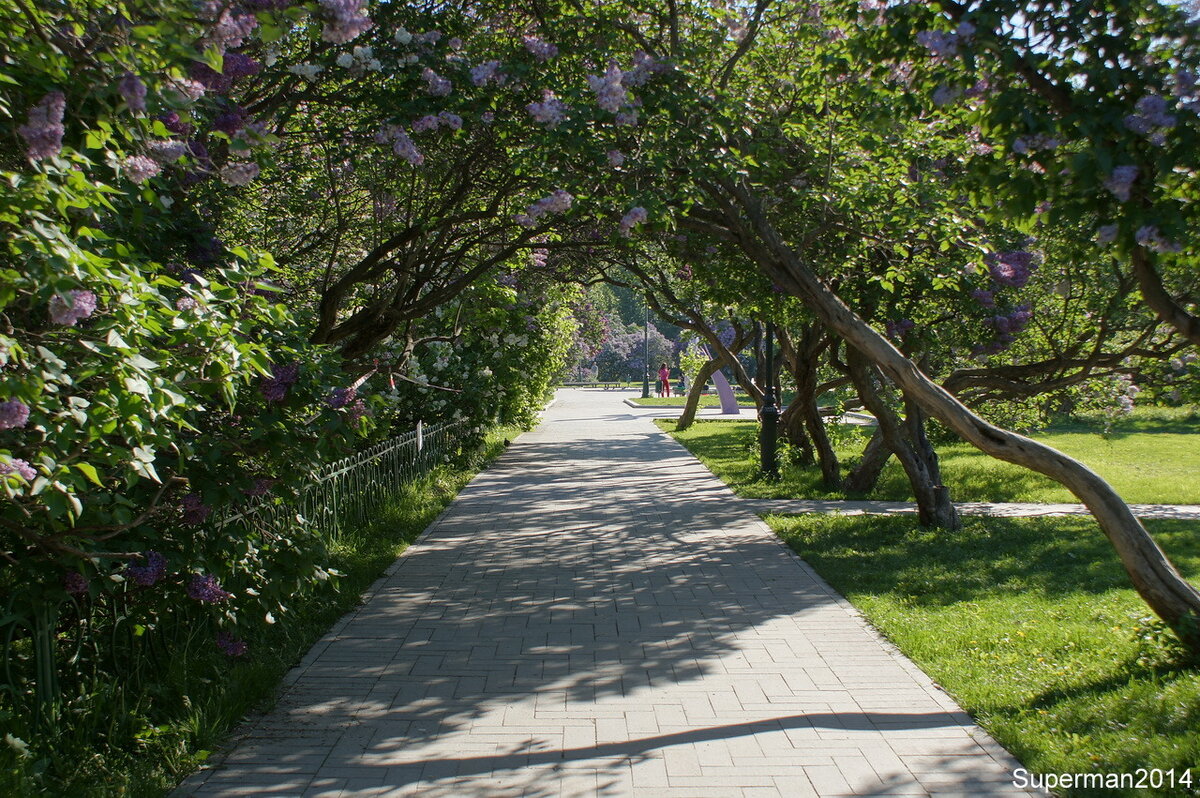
(139, 168)
(634, 217)
(239, 174)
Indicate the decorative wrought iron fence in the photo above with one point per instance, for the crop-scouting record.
(45, 644)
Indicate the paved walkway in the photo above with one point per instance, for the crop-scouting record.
(597, 615)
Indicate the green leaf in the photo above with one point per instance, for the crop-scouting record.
(89, 471)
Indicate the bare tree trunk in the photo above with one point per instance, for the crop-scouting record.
(688, 417)
(865, 475)
(1156, 580)
(934, 508)
(809, 350)
(791, 423)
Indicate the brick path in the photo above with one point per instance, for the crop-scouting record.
(596, 615)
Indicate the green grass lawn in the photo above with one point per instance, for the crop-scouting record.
(1032, 626)
(1151, 457)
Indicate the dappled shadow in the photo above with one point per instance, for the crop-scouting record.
(593, 603)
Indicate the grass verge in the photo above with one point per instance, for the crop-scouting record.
(203, 695)
(1151, 457)
(1032, 626)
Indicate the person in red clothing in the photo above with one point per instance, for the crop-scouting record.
(664, 380)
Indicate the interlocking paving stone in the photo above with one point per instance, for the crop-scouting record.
(596, 614)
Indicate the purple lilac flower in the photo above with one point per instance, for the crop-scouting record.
(984, 297)
(542, 51)
(610, 94)
(261, 487)
(206, 589)
(78, 304)
(75, 583)
(149, 570)
(230, 30)
(1107, 234)
(615, 158)
(275, 387)
(20, 467)
(133, 90)
(944, 95)
(899, 328)
(167, 151)
(230, 645)
(634, 217)
(139, 168)
(1011, 269)
(1120, 182)
(940, 44)
(195, 511)
(14, 414)
(344, 20)
(558, 201)
(230, 121)
(488, 71)
(208, 79)
(340, 397)
(435, 84)
(550, 111)
(1149, 237)
(173, 123)
(238, 65)
(356, 411)
(44, 130)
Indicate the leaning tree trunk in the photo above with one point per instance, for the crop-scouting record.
(806, 391)
(865, 475)
(791, 425)
(1156, 580)
(688, 416)
(934, 508)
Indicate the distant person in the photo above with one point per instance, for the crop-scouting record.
(664, 380)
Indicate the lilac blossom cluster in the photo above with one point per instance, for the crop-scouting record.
(140, 168)
(356, 411)
(283, 377)
(14, 414)
(402, 144)
(77, 304)
(1011, 269)
(195, 511)
(615, 158)
(344, 20)
(1006, 326)
(487, 72)
(541, 50)
(1184, 87)
(229, 29)
(167, 151)
(984, 297)
(1106, 234)
(558, 201)
(898, 328)
(610, 94)
(230, 645)
(1149, 237)
(1150, 119)
(634, 217)
(150, 571)
(550, 111)
(435, 84)
(43, 132)
(133, 91)
(20, 467)
(206, 589)
(340, 397)
(239, 173)
(1120, 182)
(1024, 145)
(944, 44)
(75, 583)
(434, 121)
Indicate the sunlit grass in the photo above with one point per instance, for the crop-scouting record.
(1151, 457)
(1032, 626)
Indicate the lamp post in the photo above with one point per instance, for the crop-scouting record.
(769, 434)
(646, 353)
